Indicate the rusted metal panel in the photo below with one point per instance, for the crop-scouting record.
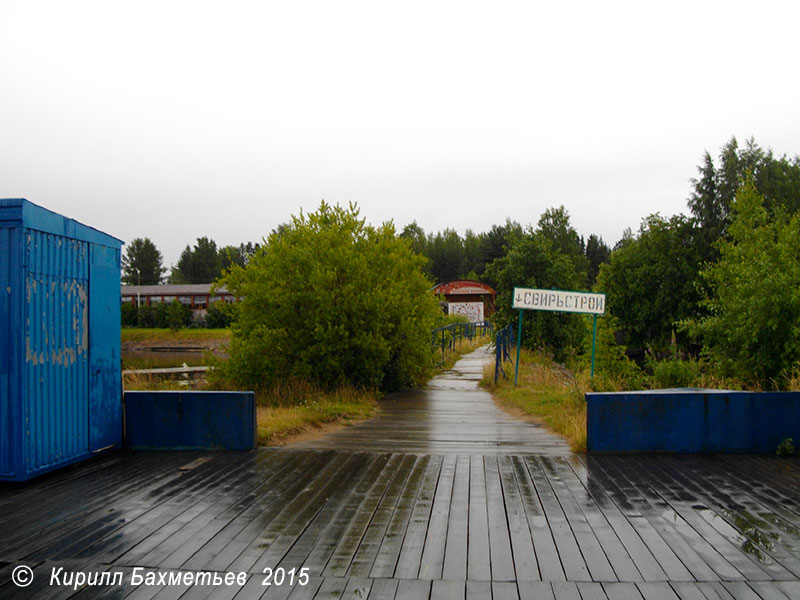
(59, 341)
(56, 325)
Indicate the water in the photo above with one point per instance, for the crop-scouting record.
(149, 359)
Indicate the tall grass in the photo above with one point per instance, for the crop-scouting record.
(147, 334)
(547, 391)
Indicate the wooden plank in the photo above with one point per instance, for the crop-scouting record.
(413, 544)
(688, 590)
(566, 590)
(383, 589)
(714, 591)
(657, 590)
(357, 588)
(636, 486)
(448, 590)
(550, 568)
(667, 559)
(615, 510)
(245, 551)
(726, 542)
(624, 567)
(339, 562)
(332, 588)
(741, 591)
(196, 485)
(66, 514)
(173, 543)
(624, 591)
(392, 543)
(744, 514)
(455, 557)
(504, 590)
(326, 494)
(592, 591)
(478, 565)
(768, 590)
(148, 532)
(323, 532)
(413, 589)
(526, 567)
(593, 553)
(701, 558)
(336, 524)
(233, 538)
(535, 590)
(305, 592)
(502, 560)
(568, 548)
(371, 540)
(432, 559)
(232, 518)
(478, 590)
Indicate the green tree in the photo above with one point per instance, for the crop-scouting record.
(495, 243)
(141, 263)
(714, 191)
(446, 253)
(753, 323)
(597, 253)
(649, 281)
(533, 260)
(334, 301)
(200, 264)
(554, 225)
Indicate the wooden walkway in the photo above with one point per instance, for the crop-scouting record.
(406, 524)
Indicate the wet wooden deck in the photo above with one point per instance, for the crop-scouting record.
(437, 518)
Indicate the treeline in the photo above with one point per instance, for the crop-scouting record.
(717, 288)
(142, 263)
(450, 256)
(708, 298)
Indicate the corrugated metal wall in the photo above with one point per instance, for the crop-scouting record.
(9, 251)
(56, 321)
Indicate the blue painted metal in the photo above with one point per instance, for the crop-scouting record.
(691, 421)
(190, 420)
(60, 379)
(504, 341)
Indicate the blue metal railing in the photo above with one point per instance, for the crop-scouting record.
(448, 336)
(504, 343)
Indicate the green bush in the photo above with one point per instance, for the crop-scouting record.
(178, 315)
(333, 301)
(220, 315)
(675, 373)
(146, 316)
(161, 317)
(128, 314)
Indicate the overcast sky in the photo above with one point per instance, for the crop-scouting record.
(173, 120)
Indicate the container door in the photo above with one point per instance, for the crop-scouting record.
(55, 419)
(105, 397)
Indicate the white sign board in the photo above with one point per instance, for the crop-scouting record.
(473, 310)
(559, 301)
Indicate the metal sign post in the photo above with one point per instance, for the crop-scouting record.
(558, 301)
(519, 343)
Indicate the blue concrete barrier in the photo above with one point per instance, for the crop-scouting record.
(190, 420)
(691, 420)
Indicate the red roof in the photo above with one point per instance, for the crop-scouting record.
(463, 286)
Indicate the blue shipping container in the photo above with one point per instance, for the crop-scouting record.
(60, 371)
